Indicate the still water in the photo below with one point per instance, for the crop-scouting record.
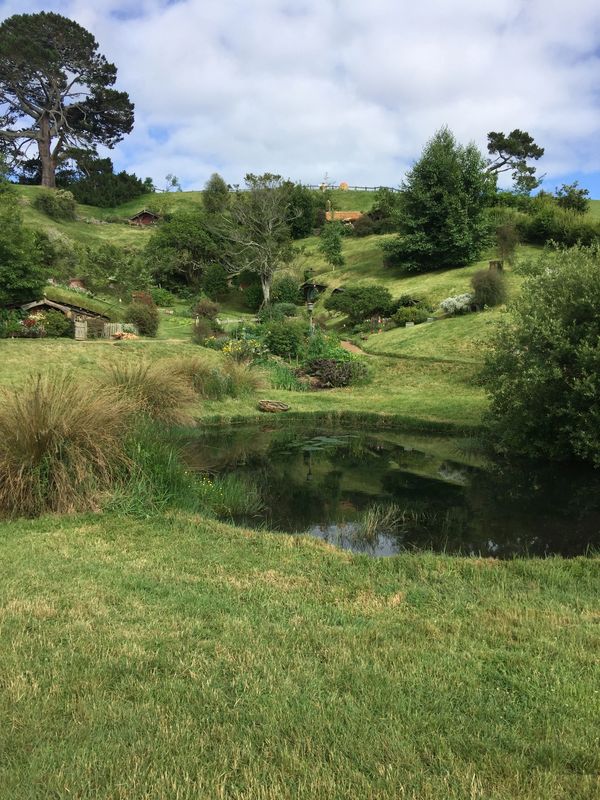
(382, 492)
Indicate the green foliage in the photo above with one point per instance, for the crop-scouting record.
(330, 243)
(384, 216)
(55, 324)
(202, 329)
(361, 302)
(442, 212)
(572, 198)
(145, 317)
(22, 273)
(281, 376)
(284, 339)
(181, 248)
(543, 373)
(304, 203)
(10, 324)
(216, 195)
(548, 222)
(510, 153)
(507, 239)
(277, 312)
(61, 445)
(320, 345)
(286, 290)
(97, 184)
(214, 281)
(364, 226)
(489, 288)
(253, 296)
(58, 204)
(409, 314)
(162, 297)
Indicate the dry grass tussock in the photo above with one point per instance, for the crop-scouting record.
(61, 445)
(215, 381)
(159, 391)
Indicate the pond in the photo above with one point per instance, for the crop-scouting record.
(384, 492)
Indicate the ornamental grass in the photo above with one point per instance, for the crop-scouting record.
(61, 445)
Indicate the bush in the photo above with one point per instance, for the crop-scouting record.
(284, 339)
(61, 445)
(489, 288)
(57, 204)
(56, 324)
(322, 346)
(410, 314)
(157, 391)
(286, 290)
(215, 281)
(205, 309)
(543, 373)
(203, 329)
(459, 304)
(162, 297)
(331, 373)
(10, 324)
(363, 226)
(244, 350)
(144, 317)
(253, 296)
(277, 312)
(361, 302)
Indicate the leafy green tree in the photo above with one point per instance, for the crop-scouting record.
(214, 281)
(510, 153)
(572, 198)
(543, 373)
(304, 203)
(182, 246)
(330, 243)
(22, 274)
(361, 302)
(55, 91)
(216, 194)
(442, 212)
(258, 229)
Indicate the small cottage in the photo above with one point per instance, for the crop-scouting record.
(144, 218)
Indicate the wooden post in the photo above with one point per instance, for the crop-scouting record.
(497, 265)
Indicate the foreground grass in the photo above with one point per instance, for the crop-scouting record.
(181, 658)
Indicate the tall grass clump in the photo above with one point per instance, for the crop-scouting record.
(61, 445)
(159, 392)
(230, 497)
(216, 381)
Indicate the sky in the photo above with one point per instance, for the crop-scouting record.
(348, 88)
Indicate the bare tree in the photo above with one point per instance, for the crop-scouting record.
(257, 228)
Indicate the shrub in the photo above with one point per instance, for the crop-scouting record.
(410, 314)
(489, 288)
(215, 281)
(253, 296)
(205, 309)
(361, 302)
(244, 349)
(203, 329)
(543, 373)
(157, 390)
(142, 297)
(284, 339)
(322, 346)
(277, 312)
(57, 204)
(56, 324)
(459, 304)
(10, 324)
(363, 226)
(61, 445)
(331, 373)
(144, 317)
(286, 290)
(162, 297)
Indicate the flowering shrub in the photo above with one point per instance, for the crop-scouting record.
(244, 349)
(459, 304)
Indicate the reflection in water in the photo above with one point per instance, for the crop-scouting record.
(382, 492)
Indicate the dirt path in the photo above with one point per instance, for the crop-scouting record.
(352, 348)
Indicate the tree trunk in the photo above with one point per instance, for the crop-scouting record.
(48, 163)
(265, 282)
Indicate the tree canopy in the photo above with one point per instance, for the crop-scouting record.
(22, 274)
(442, 211)
(510, 153)
(543, 373)
(56, 92)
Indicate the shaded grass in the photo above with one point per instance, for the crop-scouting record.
(180, 658)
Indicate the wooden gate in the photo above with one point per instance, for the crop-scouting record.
(80, 330)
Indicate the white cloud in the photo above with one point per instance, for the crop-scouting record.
(343, 86)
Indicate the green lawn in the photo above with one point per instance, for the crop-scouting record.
(176, 657)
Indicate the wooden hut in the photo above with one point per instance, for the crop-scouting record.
(144, 217)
